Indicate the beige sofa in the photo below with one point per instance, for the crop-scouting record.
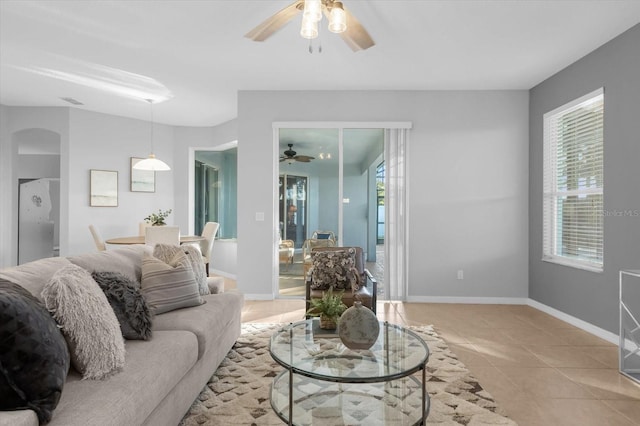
(162, 377)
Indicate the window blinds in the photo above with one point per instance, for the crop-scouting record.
(573, 183)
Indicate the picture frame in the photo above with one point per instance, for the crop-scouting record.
(142, 180)
(103, 188)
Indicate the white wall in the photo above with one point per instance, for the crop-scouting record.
(99, 141)
(468, 177)
(5, 188)
(107, 142)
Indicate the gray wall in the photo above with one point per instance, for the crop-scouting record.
(593, 297)
(468, 174)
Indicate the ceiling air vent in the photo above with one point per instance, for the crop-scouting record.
(72, 101)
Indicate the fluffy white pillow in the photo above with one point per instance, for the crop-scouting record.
(88, 322)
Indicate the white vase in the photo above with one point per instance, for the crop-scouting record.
(358, 327)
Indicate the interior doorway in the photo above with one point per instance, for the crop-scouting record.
(38, 219)
(37, 180)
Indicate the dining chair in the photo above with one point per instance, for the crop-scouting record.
(162, 235)
(323, 235)
(206, 247)
(97, 238)
(141, 227)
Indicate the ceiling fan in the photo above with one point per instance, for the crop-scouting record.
(340, 21)
(290, 156)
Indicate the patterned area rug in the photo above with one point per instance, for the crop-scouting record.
(238, 392)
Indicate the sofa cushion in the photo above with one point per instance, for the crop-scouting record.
(34, 359)
(127, 303)
(206, 321)
(127, 260)
(169, 286)
(166, 252)
(152, 369)
(87, 320)
(34, 275)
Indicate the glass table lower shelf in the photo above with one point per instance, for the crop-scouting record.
(318, 402)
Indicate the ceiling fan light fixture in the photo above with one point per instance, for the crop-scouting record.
(309, 29)
(337, 18)
(312, 10)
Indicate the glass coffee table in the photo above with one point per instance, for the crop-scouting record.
(325, 383)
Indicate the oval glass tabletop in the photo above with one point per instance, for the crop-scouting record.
(396, 353)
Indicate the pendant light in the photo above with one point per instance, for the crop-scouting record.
(151, 163)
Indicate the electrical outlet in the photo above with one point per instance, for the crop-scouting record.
(460, 274)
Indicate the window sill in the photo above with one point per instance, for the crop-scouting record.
(574, 264)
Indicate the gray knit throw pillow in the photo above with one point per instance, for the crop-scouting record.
(127, 302)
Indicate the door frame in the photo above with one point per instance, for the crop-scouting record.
(191, 203)
(340, 125)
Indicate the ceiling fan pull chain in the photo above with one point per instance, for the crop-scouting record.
(310, 47)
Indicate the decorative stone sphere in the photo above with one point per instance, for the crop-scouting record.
(358, 327)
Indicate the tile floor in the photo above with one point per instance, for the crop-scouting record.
(541, 370)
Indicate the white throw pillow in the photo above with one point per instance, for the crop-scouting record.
(87, 320)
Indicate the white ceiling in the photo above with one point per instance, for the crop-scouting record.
(198, 52)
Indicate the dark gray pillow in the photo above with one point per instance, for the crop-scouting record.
(127, 302)
(34, 359)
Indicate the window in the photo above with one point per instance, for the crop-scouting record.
(573, 183)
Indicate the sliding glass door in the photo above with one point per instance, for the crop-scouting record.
(327, 184)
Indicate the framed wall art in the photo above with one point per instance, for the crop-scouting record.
(142, 180)
(103, 188)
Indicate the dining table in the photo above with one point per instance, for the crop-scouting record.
(139, 239)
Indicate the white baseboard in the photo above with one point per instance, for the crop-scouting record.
(223, 274)
(468, 300)
(583, 325)
(265, 296)
(586, 326)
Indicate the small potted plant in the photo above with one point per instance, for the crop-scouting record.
(157, 219)
(329, 308)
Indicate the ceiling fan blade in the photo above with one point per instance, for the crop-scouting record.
(303, 158)
(272, 24)
(356, 37)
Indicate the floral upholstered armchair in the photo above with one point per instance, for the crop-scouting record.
(341, 268)
(307, 248)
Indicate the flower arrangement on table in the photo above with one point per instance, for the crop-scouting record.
(157, 219)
